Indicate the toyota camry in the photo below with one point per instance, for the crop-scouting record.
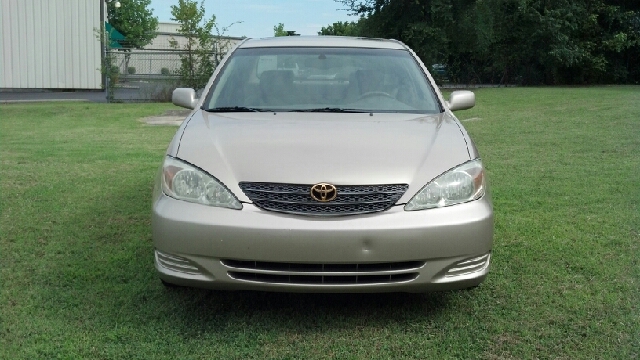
(322, 164)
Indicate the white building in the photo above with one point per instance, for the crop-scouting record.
(50, 44)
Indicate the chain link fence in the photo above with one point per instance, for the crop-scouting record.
(144, 75)
(151, 75)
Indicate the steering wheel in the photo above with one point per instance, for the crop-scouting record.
(375, 93)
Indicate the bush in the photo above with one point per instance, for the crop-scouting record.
(113, 75)
(131, 70)
(165, 71)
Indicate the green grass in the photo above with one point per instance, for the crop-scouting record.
(76, 264)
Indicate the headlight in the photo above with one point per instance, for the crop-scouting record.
(458, 185)
(186, 182)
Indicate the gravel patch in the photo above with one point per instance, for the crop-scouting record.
(170, 117)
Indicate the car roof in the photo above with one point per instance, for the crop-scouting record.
(323, 41)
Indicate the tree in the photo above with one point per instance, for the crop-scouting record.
(527, 42)
(198, 60)
(278, 30)
(341, 29)
(134, 20)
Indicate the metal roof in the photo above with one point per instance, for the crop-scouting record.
(323, 41)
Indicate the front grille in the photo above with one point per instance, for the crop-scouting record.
(296, 199)
(323, 280)
(323, 274)
(329, 268)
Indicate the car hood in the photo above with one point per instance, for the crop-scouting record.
(308, 148)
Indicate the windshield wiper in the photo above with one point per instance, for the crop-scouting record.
(331, 110)
(234, 109)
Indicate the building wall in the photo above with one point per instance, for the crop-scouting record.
(169, 31)
(50, 44)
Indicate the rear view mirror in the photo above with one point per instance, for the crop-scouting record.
(461, 100)
(184, 97)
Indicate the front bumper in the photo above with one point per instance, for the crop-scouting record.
(253, 249)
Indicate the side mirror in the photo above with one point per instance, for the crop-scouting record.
(461, 100)
(184, 97)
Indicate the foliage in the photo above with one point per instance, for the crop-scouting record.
(134, 20)
(278, 30)
(131, 70)
(108, 67)
(112, 75)
(165, 71)
(341, 29)
(198, 60)
(514, 41)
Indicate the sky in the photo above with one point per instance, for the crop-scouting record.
(258, 17)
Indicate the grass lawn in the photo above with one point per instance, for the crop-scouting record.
(76, 257)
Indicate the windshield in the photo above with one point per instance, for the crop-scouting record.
(322, 79)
